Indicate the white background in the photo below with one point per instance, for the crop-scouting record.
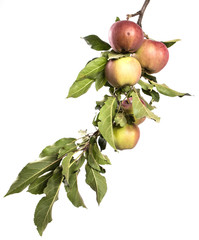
(153, 190)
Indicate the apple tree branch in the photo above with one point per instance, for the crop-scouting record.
(139, 13)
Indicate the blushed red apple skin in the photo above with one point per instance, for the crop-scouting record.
(123, 71)
(128, 108)
(126, 137)
(125, 36)
(152, 55)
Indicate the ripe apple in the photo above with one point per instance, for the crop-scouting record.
(123, 71)
(128, 108)
(125, 36)
(126, 137)
(152, 55)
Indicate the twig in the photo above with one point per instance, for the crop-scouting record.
(140, 13)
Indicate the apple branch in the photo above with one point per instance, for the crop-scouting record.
(139, 13)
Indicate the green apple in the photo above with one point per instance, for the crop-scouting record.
(126, 137)
(125, 36)
(123, 71)
(152, 55)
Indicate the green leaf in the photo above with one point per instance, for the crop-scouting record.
(43, 211)
(92, 68)
(140, 110)
(117, 19)
(66, 166)
(79, 88)
(38, 186)
(149, 76)
(76, 164)
(149, 106)
(32, 171)
(99, 104)
(100, 158)
(97, 182)
(155, 95)
(171, 42)
(114, 55)
(145, 86)
(96, 43)
(73, 192)
(105, 124)
(165, 90)
(67, 143)
(120, 120)
(100, 80)
(92, 160)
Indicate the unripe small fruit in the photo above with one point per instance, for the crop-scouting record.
(123, 71)
(128, 108)
(126, 137)
(125, 36)
(152, 55)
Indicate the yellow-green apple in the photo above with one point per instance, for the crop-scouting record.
(152, 55)
(123, 71)
(126, 137)
(128, 108)
(125, 36)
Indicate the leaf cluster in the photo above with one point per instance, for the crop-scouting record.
(60, 164)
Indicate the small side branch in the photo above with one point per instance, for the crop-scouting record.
(139, 13)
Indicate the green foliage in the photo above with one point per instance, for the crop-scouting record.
(92, 68)
(120, 120)
(73, 191)
(171, 42)
(113, 55)
(140, 110)
(68, 144)
(92, 72)
(43, 211)
(96, 43)
(165, 90)
(100, 80)
(66, 166)
(80, 87)
(39, 184)
(117, 19)
(31, 172)
(105, 124)
(97, 182)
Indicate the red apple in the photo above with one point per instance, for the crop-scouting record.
(126, 137)
(152, 55)
(128, 108)
(123, 71)
(125, 36)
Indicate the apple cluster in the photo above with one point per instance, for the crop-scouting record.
(145, 55)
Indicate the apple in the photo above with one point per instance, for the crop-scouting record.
(126, 137)
(128, 108)
(152, 55)
(125, 36)
(123, 71)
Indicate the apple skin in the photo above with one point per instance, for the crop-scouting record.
(152, 55)
(126, 137)
(125, 36)
(128, 108)
(123, 71)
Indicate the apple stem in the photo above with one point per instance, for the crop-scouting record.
(140, 13)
